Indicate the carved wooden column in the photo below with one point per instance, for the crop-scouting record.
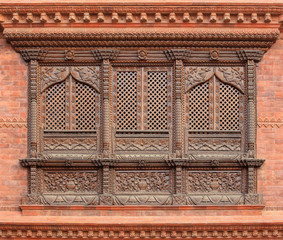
(179, 68)
(32, 56)
(251, 57)
(106, 55)
(178, 55)
(106, 109)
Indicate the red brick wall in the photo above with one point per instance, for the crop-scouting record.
(13, 106)
(13, 133)
(270, 138)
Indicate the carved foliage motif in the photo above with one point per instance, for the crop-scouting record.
(89, 75)
(63, 144)
(51, 75)
(138, 144)
(214, 181)
(231, 75)
(142, 181)
(196, 75)
(85, 74)
(70, 181)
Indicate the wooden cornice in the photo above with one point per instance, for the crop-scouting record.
(141, 25)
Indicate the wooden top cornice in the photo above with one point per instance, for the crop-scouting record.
(155, 24)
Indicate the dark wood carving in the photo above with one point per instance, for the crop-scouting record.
(162, 126)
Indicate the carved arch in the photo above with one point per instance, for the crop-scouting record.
(53, 75)
(89, 75)
(234, 76)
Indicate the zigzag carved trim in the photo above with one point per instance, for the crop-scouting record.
(12, 122)
(269, 123)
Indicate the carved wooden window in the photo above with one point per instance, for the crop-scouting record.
(139, 154)
(142, 98)
(70, 100)
(213, 103)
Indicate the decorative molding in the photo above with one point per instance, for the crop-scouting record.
(183, 37)
(142, 231)
(12, 122)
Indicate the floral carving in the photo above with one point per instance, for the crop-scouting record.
(70, 181)
(197, 75)
(142, 181)
(142, 54)
(214, 181)
(89, 75)
(52, 75)
(232, 75)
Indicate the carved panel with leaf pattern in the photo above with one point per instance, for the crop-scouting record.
(214, 181)
(143, 181)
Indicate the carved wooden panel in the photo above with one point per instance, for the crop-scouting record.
(143, 182)
(70, 181)
(137, 144)
(214, 181)
(70, 144)
(59, 186)
(214, 144)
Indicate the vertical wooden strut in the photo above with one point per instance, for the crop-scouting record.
(33, 66)
(106, 110)
(251, 108)
(179, 67)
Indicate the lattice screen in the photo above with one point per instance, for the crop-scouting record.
(126, 100)
(199, 107)
(157, 100)
(229, 107)
(55, 108)
(85, 107)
